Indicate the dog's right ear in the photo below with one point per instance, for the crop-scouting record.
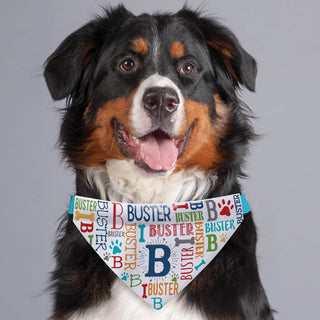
(65, 67)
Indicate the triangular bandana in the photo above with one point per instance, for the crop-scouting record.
(157, 249)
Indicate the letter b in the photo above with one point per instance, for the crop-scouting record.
(164, 260)
(135, 280)
(86, 227)
(116, 215)
(212, 242)
(157, 303)
(211, 208)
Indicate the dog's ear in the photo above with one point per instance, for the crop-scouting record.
(66, 66)
(238, 65)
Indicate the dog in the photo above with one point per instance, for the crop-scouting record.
(153, 116)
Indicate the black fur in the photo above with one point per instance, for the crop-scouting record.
(81, 70)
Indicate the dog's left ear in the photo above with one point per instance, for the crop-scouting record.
(224, 47)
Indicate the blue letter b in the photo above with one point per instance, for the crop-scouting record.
(164, 260)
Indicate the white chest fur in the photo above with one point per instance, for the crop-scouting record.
(124, 182)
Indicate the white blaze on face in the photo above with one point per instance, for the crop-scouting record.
(140, 119)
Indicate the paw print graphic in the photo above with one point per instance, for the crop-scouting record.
(175, 277)
(223, 238)
(225, 208)
(125, 276)
(115, 247)
(106, 256)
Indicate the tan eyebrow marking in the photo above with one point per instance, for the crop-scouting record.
(177, 50)
(140, 46)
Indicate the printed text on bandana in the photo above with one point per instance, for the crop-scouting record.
(157, 249)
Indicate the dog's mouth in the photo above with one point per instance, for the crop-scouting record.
(155, 151)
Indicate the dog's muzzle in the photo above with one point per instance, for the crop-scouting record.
(160, 102)
(159, 132)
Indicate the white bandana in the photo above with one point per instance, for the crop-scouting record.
(157, 249)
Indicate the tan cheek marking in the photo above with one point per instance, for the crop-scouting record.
(101, 144)
(203, 150)
(222, 113)
(140, 46)
(87, 112)
(177, 50)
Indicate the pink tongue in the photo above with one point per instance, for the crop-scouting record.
(159, 153)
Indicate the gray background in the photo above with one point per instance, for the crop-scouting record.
(283, 184)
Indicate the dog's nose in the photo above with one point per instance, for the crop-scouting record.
(160, 100)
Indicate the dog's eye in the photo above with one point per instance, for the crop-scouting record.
(188, 69)
(128, 65)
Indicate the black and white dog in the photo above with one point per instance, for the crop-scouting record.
(153, 116)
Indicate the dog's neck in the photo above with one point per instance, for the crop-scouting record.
(123, 182)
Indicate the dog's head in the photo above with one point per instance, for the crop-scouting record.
(156, 90)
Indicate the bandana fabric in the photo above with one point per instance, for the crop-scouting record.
(157, 249)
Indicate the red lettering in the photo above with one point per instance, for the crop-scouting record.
(168, 231)
(182, 225)
(117, 262)
(189, 229)
(86, 227)
(115, 215)
(152, 230)
(174, 225)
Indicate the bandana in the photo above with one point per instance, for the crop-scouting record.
(157, 249)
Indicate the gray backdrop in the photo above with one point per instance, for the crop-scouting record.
(283, 184)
